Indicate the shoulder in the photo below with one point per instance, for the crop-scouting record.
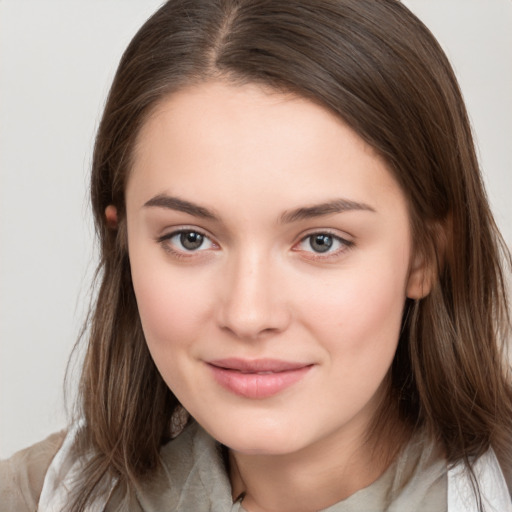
(22, 475)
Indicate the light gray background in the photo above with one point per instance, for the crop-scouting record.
(57, 59)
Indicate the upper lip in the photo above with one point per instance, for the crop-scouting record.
(257, 365)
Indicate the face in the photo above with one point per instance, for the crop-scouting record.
(271, 258)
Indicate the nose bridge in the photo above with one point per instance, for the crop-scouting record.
(252, 303)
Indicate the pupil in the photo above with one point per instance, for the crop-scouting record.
(321, 243)
(191, 240)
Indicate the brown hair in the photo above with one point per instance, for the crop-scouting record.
(375, 65)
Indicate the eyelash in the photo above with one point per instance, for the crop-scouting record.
(166, 242)
(345, 245)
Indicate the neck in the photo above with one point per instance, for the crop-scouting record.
(314, 477)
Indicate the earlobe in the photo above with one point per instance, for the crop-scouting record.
(111, 216)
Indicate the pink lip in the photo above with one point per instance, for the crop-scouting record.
(261, 378)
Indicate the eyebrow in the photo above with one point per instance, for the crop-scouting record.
(318, 210)
(174, 203)
(303, 213)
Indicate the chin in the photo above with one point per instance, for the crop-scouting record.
(273, 442)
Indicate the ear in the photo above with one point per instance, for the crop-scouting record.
(111, 216)
(427, 263)
(421, 277)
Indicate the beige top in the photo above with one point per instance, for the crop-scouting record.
(22, 476)
(193, 478)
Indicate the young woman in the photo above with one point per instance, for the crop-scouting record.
(302, 303)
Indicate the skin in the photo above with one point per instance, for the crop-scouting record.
(257, 288)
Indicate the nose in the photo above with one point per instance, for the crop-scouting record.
(253, 299)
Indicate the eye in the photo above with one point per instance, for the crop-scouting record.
(186, 240)
(323, 243)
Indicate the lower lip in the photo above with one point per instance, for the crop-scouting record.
(257, 385)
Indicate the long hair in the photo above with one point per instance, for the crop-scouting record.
(377, 67)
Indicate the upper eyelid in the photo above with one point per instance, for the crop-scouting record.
(170, 232)
(165, 239)
(346, 237)
(340, 239)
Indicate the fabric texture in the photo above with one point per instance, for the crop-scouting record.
(491, 484)
(22, 476)
(192, 476)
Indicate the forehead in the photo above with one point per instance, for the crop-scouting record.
(219, 141)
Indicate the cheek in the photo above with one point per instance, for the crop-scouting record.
(358, 325)
(359, 314)
(172, 308)
(172, 313)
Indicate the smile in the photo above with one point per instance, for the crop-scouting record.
(257, 379)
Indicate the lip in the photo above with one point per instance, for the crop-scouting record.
(259, 378)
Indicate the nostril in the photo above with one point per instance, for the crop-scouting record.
(254, 327)
(249, 306)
